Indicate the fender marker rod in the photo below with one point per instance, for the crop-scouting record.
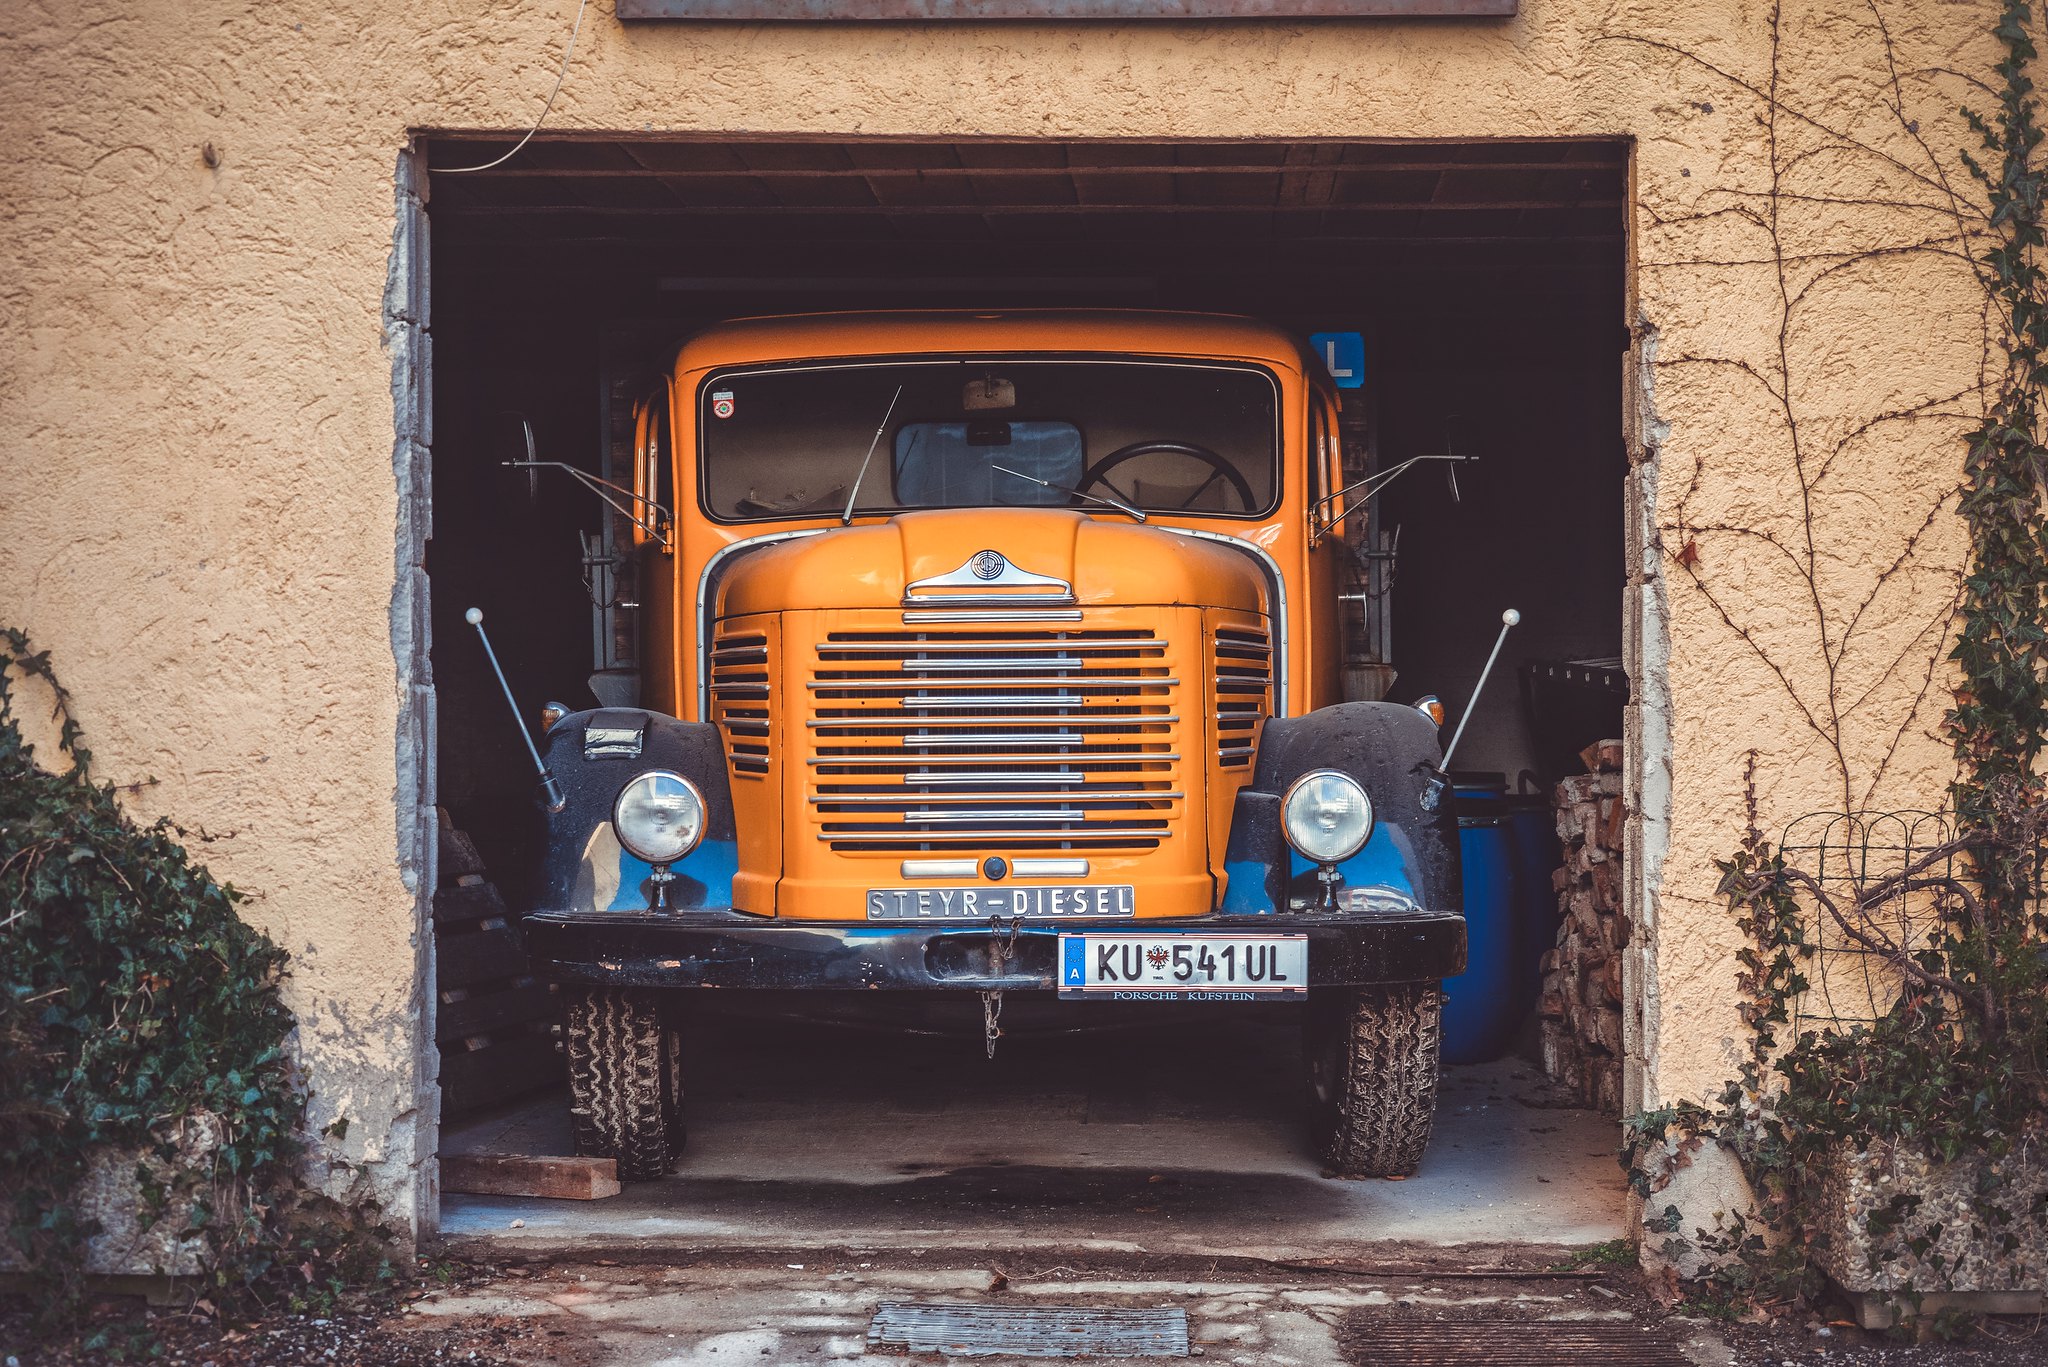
(556, 800)
(1509, 620)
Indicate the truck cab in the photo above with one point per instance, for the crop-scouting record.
(997, 653)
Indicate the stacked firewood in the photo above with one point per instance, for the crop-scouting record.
(1581, 1003)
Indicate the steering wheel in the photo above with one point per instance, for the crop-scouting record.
(1220, 468)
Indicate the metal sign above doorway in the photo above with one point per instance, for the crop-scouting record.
(1122, 11)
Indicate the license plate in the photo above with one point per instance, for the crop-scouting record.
(1196, 966)
(978, 904)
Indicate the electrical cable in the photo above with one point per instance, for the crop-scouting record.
(560, 76)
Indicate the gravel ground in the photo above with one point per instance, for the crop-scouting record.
(2004, 1341)
(124, 1329)
(381, 1332)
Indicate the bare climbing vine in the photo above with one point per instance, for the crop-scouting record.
(1957, 1066)
(1801, 586)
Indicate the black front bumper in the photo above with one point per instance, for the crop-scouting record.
(730, 950)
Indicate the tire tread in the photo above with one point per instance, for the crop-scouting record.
(624, 1080)
(1385, 1106)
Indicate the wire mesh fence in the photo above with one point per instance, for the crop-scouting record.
(1849, 854)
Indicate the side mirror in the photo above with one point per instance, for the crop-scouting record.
(515, 440)
(512, 439)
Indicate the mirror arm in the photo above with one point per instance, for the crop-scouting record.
(658, 530)
(1379, 479)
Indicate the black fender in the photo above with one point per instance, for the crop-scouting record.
(593, 755)
(1393, 751)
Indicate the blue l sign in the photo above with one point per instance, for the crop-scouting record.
(1343, 354)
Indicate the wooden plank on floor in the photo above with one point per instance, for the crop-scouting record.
(508, 1174)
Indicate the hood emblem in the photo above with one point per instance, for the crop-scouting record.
(989, 578)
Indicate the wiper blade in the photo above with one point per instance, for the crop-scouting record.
(846, 518)
(1115, 503)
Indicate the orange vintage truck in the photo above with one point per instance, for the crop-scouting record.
(997, 653)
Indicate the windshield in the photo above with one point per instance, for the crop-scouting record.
(1165, 436)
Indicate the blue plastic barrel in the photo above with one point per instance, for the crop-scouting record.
(1532, 833)
(1484, 1003)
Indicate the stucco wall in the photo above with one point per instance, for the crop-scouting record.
(199, 513)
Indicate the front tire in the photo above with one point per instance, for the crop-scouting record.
(625, 1080)
(1372, 1074)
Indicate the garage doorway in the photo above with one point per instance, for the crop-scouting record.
(1486, 279)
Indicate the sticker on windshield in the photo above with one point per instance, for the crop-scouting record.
(721, 403)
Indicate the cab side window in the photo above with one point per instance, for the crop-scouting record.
(656, 459)
(1321, 469)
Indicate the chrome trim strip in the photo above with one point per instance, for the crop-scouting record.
(941, 868)
(935, 647)
(986, 740)
(1278, 620)
(947, 702)
(1007, 574)
(892, 761)
(986, 600)
(1104, 794)
(979, 778)
(1057, 814)
(1049, 868)
(883, 717)
(1118, 833)
(704, 622)
(913, 616)
(1011, 678)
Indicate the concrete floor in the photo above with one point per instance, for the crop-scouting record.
(703, 1316)
(1164, 1141)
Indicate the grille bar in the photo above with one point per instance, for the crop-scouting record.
(884, 718)
(1026, 736)
(996, 792)
(1244, 691)
(915, 646)
(1064, 677)
(1091, 757)
(740, 694)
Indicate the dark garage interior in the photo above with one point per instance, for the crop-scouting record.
(1487, 279)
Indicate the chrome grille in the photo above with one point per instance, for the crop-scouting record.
(1244, 692)
(1027, 738)
(740, 690)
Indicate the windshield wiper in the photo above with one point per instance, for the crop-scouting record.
(846, 518)
(1115, 503)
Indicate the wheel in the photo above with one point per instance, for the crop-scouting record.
(625, 1080)
(1372, 1070)
(1219, 468)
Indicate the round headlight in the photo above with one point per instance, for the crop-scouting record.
(1326, 815)
(659, 816)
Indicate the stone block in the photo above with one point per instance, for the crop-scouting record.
(1966, 1252)
(1698, 1194)
(111, 1197)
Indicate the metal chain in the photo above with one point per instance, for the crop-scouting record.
(991, 1020)
(1002, 944)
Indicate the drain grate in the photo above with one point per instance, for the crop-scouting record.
(1404, 1342)
(1046, 1331)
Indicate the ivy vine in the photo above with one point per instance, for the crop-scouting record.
(1958, 1066)
(142, 1028)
